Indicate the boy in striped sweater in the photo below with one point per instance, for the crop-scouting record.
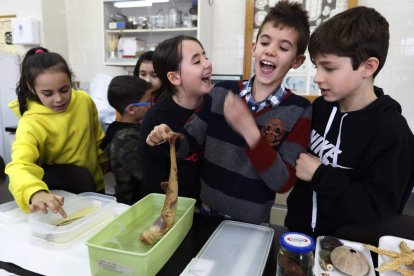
(252, 132)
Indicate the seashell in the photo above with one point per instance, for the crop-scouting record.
(323, 265)
(325, 255)
(349, 261)
(330, 243)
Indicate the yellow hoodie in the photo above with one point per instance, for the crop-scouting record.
(45, 137)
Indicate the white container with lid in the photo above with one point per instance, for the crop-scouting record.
(295, 255)
(235, 248)
(84, 211)
(11, 213)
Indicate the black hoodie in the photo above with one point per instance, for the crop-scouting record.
(367, 168)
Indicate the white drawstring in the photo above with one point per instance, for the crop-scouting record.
(338, 143)
(328, 127)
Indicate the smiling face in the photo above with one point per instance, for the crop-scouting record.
(54, 90)
(195, 70)
(275, 53)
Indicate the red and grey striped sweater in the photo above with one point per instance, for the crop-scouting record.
(239, 181)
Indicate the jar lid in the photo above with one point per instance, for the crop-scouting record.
(297, 242)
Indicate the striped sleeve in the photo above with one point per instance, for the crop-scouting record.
(270, 162)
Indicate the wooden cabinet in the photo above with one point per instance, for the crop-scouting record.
(125, 41)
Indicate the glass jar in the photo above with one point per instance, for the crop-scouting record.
(173, 16)
(295, 257)
(193, 12)
(160, 21)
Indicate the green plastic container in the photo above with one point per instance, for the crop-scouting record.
(117, 250)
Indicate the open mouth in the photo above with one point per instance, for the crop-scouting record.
(206, 79)
(267, 66)
(324, 92)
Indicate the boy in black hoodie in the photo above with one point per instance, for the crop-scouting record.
(130, 96)
(359, 166)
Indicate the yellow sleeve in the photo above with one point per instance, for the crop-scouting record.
(24, 174)
(99, 134)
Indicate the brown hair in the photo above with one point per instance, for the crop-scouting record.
(358, 33)
(167, 58)
(289, 15)
(125, 90)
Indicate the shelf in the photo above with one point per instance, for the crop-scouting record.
(121, 62)
(166, 30)
(150, 38)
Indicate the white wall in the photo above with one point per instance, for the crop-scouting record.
(22, 8)
(228, 37)
(54, 26)
(397, 76)
(85, 39)
(52, 17)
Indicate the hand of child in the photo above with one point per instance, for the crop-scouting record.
(306, 166)
(158, 135)
(42, 200)
(240, 119)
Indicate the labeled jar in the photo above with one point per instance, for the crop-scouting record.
(295, 257)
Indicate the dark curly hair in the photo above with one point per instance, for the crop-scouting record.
(358, 33)
(36, 61)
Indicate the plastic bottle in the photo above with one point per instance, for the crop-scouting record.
(173, 16)
(295, 255)
(130, 23)
(186, 20)
(193, 12)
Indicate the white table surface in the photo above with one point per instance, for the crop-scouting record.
(19, 246)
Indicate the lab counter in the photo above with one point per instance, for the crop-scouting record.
(23, 255)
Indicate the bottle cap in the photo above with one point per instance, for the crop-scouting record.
(297, 242)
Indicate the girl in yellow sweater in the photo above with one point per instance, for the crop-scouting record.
(57, 125)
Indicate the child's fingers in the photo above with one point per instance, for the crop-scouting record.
(229, 100)
(61, 212)
(164, 131)
(39, 206)
(154, 138)
(151, 141)
(56, 207)
(60, 199)
(32, 208)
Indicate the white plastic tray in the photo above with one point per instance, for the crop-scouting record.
(11, 213)
(234, 249)
(92, 208)
(317, 270)
(392, 243)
